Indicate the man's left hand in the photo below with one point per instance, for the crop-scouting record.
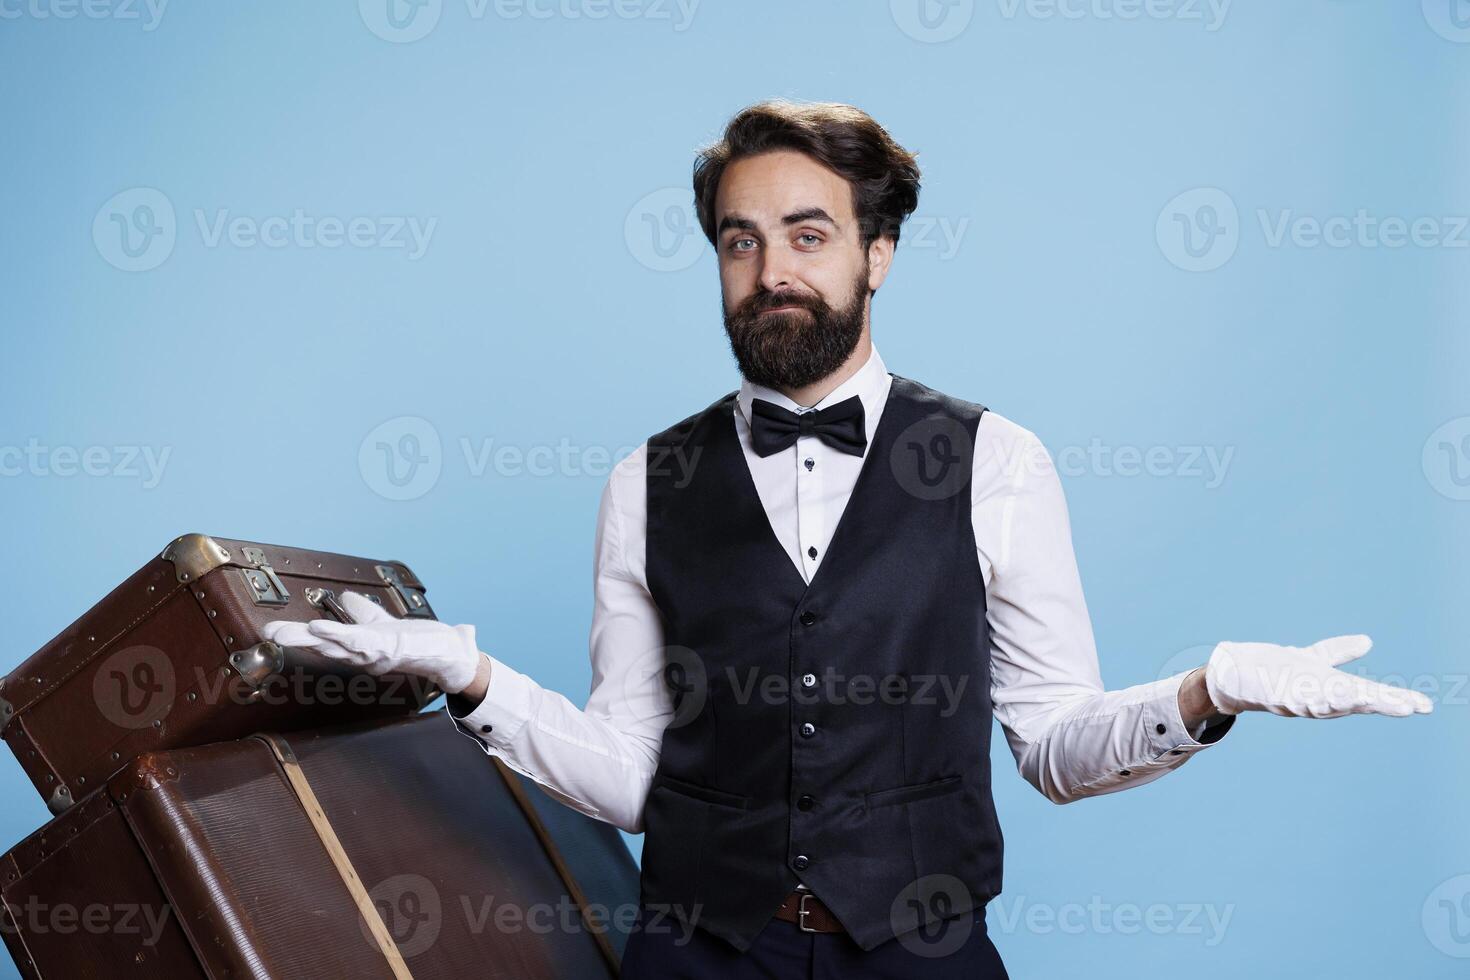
(379, 643)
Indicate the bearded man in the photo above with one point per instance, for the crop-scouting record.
(811, 599)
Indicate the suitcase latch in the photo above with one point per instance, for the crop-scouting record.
(266, 587)
(412, 599)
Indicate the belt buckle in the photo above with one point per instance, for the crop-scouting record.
(802, 912)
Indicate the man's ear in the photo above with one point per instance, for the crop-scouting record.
(880, 257)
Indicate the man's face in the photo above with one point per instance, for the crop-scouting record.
(794, 276)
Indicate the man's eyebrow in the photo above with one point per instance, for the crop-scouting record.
(735, 221)
(808, 214)
(743, 223)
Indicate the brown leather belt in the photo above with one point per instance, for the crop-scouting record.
(804, 909)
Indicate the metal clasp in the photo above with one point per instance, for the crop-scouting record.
(412, 599)
(802, 911)
(266, 587)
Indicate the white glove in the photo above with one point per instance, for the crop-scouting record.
(1303, 682)
(379, 643)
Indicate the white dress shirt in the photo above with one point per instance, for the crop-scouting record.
(1071, 738)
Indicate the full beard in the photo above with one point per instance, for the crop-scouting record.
(795, 348)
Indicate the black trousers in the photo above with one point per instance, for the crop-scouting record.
(662, 947)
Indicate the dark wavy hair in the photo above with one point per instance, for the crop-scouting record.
(884, 177)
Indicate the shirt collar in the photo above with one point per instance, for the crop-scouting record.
(869, 383)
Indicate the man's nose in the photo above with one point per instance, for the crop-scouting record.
(777, 270)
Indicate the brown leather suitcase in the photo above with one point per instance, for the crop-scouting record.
(391, 849)
(174, 657)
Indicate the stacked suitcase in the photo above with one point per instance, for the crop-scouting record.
(227, 808)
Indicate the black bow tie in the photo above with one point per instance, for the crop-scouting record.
(773, 428)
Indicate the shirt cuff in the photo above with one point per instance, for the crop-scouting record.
(495, 722)
(499, 717)
(1169, 738)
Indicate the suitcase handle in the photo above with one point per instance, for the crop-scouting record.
(326, 600)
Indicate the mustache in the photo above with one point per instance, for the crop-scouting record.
(770, 301)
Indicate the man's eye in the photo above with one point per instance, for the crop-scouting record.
(809, 239)
(742, 244)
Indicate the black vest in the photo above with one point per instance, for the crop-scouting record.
(813, 736)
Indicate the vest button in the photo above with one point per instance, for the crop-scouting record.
(808, 617)
(806, 802)
(808, 680)
(486, 729)
(800, 862)
(808, 729)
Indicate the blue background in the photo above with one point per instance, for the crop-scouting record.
(545, 309)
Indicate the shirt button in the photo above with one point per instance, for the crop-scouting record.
(1125, 772)
(800, 862)
(809, 463)
(1160, 728)
(808, 729)
(486, 728)
(811, 552)
(805, 802)
(808, 617)
(808, 680)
